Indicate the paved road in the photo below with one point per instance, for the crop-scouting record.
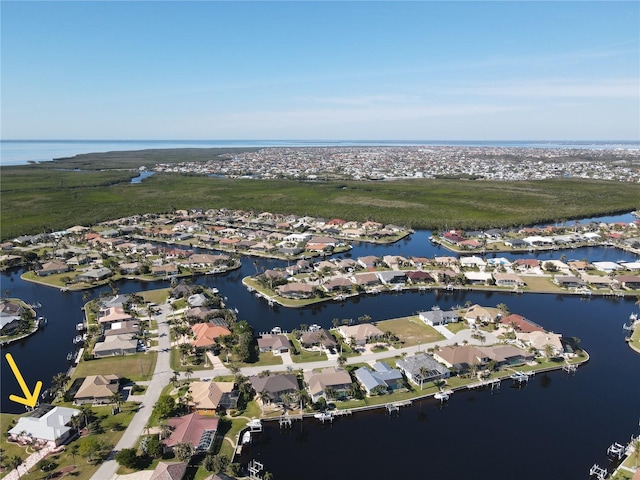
(161, 377)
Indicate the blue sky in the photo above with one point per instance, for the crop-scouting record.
(321, 70)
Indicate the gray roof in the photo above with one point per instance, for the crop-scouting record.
(439, 316)
(412, 365)
(274, 384)
(381, 374)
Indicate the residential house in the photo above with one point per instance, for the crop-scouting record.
(381, 378)
(421, 368)
(296, 290)
(460, 358)
(508, 280)
(97, 389)
(47, 423)
(115, 345)
(318, 337)
(10, 315)
(275, 385)
(360, 333)
(53, 267)
(207, 333)
(169, 471)
(539, 341)
(331, 383)
(113, 314)
(631, 282)
(569, 281)
(275, 343)
(94, 274)
(477, 314)
(419, 276)
(208, 396)
(438, 317)
(521, 324)
(198, 430)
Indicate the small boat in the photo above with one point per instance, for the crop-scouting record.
(80, 327)
(69, 356)
(442, 396)
(246, 438)
(323, 416)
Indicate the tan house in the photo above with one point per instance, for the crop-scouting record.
(360, 333)
(97, 389)
(331, 383)
(209, 397)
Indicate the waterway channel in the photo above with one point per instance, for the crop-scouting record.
(555, 427)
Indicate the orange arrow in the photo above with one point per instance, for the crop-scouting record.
(29, 398)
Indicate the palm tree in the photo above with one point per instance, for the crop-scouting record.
(264, 397)
(267, 476)
(15, 462)
(342, 360)
(188, 372)
(165, 430)
(73, 450)
(117, 398)
(423, 371)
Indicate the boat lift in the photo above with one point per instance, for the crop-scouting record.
(597, 471)
(616, 450)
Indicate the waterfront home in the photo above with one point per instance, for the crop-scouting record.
(369, 261)
(382, 378)
(421, 368)
(208, 397)
(438, 317)
(94, 274)
(538, 341)
(508, 280)
(331, 383)
(115, 301)
(97, 389)
(392, 277)
(53, 267)
(360, 334)
(631, 282)
(520, 324)
(366, 279)
(169, 471)
(197, 300)
(206, 334)
(45, 424)
(10, 315)
(115, 345)
(569, 281)
(130, 327)
(113, 314)
(477, 278)
(419, 276)
(477, 314)
(460, 358)
(338, 283)
(515, 243)
(296, 290)
(472, 262)
(274, 343)
(506, 354)
(526, 264)
(275, 386)
(164, 270)
(318, 337)
(198, 430)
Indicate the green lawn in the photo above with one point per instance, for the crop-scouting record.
(410, 330)
(139, 366)
(305, 355)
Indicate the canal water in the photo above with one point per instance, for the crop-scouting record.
(555, 427)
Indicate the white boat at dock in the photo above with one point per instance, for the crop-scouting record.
(246, 438)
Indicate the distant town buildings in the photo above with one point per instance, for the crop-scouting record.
(403, 162)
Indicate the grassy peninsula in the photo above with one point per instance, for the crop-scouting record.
(51, 196)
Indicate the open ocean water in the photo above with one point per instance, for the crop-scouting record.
(21, 152)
